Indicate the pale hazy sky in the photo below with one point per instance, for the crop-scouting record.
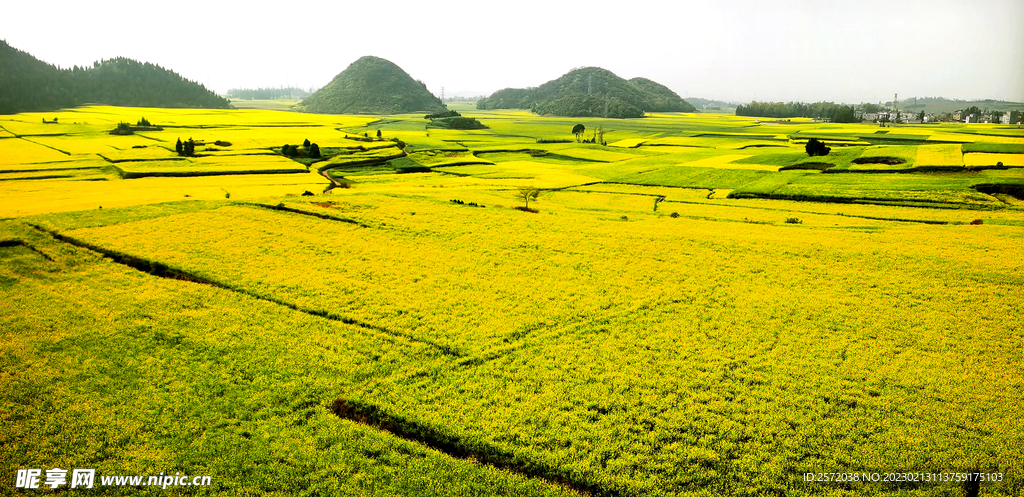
(810, 50)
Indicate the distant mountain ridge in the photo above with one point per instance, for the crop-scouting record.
(590, 92)
(372, 85)
(28, 84)
(941, 104)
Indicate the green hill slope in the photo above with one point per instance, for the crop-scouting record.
(372, 85)
(590, 92)
(28, 84)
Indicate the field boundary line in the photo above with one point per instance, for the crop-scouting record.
(282, 208)
(476, 451)
(17, 242)
(161, 270)
(22, 137)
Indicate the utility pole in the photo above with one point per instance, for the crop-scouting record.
(895, 108)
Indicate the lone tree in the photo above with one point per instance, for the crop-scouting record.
(528, 193)
(378, 134)
(815, 147)
(578, 130)
(178, 148)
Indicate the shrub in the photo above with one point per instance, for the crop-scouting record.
(440, 115)
(815, 148)
(892, 161)
(793, 220)
(674, 215)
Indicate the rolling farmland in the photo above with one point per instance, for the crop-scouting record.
(697, 308)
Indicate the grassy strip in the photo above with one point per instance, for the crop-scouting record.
(369, 414)
(162, 270)
(993, 148)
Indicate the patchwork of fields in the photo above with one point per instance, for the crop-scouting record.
(698, 308)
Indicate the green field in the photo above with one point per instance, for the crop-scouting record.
(679, 317)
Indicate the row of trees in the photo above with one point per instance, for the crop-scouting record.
(819, 110)
(269, 93)
(309, 150)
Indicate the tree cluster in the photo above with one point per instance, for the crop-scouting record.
(457, 123)
(309, 150)
(816, 148)
(186, 148)
(819, 110)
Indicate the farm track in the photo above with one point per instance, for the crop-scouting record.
(159, 269)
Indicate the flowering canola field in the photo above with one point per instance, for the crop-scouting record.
(411, 333)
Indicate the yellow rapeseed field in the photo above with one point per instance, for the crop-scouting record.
(664, 319)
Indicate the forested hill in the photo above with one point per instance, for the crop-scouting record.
(28, 84)
(590, 92)
(372, 85)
